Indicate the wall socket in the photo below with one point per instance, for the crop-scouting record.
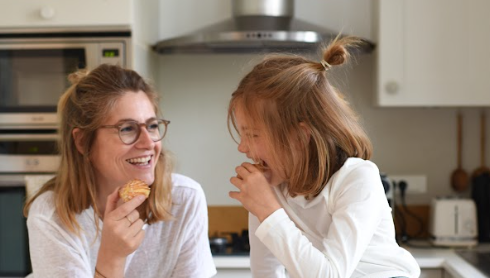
(416, 184)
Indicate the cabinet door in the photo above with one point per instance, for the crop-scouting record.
(431, 273)
(233, 273)
(433, 53)
(56, 13)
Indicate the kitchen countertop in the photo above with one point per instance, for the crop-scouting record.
(427, 258)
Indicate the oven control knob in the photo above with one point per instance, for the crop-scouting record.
(47, 12)
(32, 162)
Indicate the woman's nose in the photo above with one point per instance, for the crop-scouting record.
(144, 140)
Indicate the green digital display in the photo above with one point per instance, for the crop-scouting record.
(110, 53)
(33, 149)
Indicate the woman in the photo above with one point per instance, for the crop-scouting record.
(317, 206)
(110, 133)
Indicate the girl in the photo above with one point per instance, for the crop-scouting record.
(317, 205)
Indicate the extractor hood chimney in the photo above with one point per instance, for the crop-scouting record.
(256, 26)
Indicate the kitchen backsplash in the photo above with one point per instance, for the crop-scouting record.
(227, 219)
(234, 219)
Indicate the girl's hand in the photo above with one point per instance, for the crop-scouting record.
(122, 234)
(256, 194)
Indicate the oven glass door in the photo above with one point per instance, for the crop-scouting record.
(14, 250)
(33, 77)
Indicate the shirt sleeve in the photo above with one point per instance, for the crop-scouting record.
(262, 262)
(195, 258)
(355, 206)
(54, 253)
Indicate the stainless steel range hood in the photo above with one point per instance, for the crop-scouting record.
(256, 26)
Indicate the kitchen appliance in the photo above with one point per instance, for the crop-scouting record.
(256, 25)
(24, 154)
(389, 188)
(230, 243)
(453, 222)
(34, 65)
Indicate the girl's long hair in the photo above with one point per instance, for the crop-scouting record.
(308, 123)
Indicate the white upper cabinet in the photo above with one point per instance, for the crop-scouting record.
(64, 13)
(433, 53)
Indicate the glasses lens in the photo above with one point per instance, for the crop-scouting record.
(156, 129)
(129, 132)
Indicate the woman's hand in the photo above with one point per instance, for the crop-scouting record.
(122, 234)
(256, 194)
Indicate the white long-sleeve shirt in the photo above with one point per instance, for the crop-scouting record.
(346, 231)
(176, 248)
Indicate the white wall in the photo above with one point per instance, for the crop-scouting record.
(196, 90)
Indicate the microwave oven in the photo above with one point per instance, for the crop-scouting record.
(34, 66)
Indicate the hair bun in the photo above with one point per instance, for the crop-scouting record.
(337, 51)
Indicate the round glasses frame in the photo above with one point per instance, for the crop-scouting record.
(138, 129)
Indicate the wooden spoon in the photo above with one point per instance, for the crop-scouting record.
(459, 177)
(482, 169)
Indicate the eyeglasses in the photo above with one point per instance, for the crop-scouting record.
(129, 131)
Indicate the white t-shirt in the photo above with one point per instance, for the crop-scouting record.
(346, 231)
(176, 248)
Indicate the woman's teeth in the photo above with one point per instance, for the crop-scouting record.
(140, 161)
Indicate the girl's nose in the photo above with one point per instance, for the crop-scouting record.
(242, 147)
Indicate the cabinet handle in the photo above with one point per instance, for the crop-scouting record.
(392, 87)
(47, 13)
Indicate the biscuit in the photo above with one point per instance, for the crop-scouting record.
(134, 188)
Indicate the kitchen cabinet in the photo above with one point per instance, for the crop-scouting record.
(55, 13)
(233, 273)
(432, 273)
(433, 53)
(245, 273)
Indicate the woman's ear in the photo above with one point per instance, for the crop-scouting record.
(306, 131)
(78, 139)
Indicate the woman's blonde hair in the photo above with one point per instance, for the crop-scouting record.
(85, 105)
(307, 122)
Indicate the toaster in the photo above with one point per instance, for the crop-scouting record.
(453, 222)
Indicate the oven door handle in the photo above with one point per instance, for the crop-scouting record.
(28, 137)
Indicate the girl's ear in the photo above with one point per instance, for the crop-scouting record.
(78, 138)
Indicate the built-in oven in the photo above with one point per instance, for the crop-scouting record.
(34, 65)
(26, 155)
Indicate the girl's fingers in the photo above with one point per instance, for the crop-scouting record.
(237, 182)
(241, 171)
(252, 167)
(234, 195)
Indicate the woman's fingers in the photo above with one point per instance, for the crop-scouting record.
(125, 209)
(136, 228)
(132, 217)
(111, 203)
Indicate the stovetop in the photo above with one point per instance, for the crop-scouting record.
(478, 258)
